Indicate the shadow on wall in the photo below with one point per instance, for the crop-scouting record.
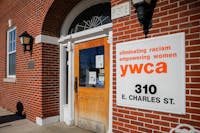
(17, 116)
(20, 109)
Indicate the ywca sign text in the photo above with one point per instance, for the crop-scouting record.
(151, 74)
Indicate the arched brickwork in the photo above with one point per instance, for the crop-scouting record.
(55, 16)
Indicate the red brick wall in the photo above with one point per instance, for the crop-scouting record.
(50, 80)
(56, 15)
(170, 16)
(36, 88)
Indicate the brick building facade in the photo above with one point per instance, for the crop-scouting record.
(29, 85)
(42, 89)
(170, 16)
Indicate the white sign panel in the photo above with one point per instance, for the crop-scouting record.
(151, 74)
(92, 78)
(120, 10)
(99, 61)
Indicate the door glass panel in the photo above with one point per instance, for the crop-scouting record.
(91, 67)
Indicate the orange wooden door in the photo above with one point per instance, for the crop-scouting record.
(92, 84)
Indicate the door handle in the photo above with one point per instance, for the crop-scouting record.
(76, 84)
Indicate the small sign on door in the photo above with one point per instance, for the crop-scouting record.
(99, 61)
(92, 78)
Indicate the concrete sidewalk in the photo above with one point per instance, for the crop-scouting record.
(9, 123)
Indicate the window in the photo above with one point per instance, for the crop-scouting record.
(11, 52)
(91, 74)
(92, 17)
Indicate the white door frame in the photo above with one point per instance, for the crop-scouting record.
(66, 45)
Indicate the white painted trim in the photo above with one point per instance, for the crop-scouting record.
(9, 80)
(72, 93)
(47, 120)
(79, 8)
(104, 29)
(110, 41)
(68, 109)
(46, 39)
(90, 38)
(62, 83)
(68, 119)
(10, 23)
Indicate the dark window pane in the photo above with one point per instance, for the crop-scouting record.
(12, 40)
(90, 73)
(12, 63)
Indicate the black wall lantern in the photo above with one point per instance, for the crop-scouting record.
(144, 10)
(26, 41)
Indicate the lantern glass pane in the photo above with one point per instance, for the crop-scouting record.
(148, 1)
(26, 40)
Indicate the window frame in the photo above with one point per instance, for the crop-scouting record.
(8, 53)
